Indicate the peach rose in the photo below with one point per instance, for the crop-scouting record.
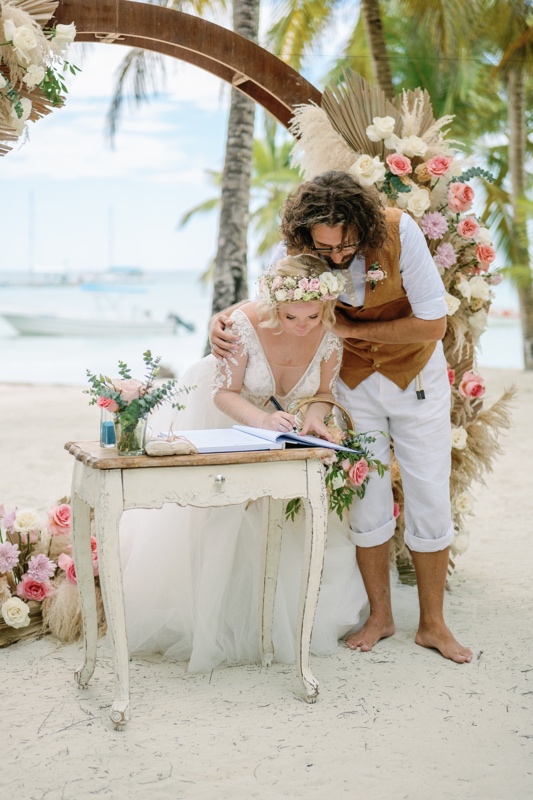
(460, 196)
(451, 375)
(129, 388)
(66, 563)
(439, 165)
(30, 589)
(398, 164)
(358, 472)
(422, 173)
(471, 386)
(59, 519)
(107, 403)
(485, 254)
(468, 228)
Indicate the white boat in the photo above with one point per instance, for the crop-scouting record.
(33, 323)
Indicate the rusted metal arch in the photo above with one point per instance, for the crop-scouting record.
(254, 71)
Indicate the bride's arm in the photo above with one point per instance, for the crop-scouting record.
(329, 372)
(227, 388)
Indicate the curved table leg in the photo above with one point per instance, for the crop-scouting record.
(316, 518)
(272, 531)
(81, 551)
(107, 518)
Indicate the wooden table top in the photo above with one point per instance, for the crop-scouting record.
(97, 457)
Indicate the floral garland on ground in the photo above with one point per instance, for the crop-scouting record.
(37, 572)
(401, 150)
(32, 64)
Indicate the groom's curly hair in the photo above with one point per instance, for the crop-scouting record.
(332, 199)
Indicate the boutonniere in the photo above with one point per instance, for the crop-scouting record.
(375, 275)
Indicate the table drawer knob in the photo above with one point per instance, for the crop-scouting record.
(219, 480)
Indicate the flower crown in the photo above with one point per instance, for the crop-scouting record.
(274, 288)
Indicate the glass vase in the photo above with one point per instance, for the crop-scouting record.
(130, 436)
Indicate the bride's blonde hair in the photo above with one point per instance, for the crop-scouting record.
(297, 267)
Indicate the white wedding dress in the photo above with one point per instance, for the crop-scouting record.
(191, 575)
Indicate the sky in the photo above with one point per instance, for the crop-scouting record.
(94, 206)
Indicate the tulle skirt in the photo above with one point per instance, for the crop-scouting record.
(191, 575)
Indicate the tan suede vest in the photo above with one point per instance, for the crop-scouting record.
(387, 301)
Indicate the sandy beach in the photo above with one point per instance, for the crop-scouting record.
(400, 722)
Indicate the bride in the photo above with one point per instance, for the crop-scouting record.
(191, 575)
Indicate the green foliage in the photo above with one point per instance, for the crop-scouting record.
(341, 490)
(393, 185)
(473, 172)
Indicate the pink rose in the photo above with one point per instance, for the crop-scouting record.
(395, 510)
(346, 464)
(107, 403)
(468, 228)
(358, 472)
(439, 165)
(398, 164)
(129, 388)
(314, 285)
(66, 563)
(276, 283)
(30, 589)
(485, 254)
(460, 196)
(93, 544)
(375, 275)
(59, 519)
(472, 385)
(451, 375)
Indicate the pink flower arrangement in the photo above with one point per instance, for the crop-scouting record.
(471, 386)
(107, 403)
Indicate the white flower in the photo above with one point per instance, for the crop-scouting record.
(3, 82)
(26, 521)
(368, 170)
(411, 146)
(418, 201)
(382, 128)
(460, 543)
(298, 294)
(18, 122)
(464, 288)
(280, 295)
(452, 303)
(338, 481)
(464, 503)
(23, 40)
(33, 76)
(478, 322)
(16, 613)
(459, 437)
(479, 287)
(483, 236)
(65, 35)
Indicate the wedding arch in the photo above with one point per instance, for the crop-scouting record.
(240, 62)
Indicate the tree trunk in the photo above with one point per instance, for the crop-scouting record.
(378, 49)
(517, 149)
(231, 274)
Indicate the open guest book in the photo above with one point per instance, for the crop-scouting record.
(242, 438)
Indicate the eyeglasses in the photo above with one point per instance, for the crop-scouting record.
(341, 248)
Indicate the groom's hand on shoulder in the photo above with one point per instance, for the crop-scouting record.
(222, 340)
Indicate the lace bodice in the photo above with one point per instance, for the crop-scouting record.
(259, 383)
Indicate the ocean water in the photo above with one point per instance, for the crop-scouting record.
(64, 360)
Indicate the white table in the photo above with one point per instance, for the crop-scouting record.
(108, 483)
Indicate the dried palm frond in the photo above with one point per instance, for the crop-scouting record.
(351, 107)
(318, 147)
(39, 10)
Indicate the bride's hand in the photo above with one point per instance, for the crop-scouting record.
(315, 426)
(280, 421)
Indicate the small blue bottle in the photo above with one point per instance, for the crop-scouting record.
(107, 429)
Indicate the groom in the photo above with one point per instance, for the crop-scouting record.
(392, 318)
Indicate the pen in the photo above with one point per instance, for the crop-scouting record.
(280, 408)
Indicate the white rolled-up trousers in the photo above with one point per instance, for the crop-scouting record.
(421, 434)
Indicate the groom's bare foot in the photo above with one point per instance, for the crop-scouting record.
(440, 638)
(375, 628)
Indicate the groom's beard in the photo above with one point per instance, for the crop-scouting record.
(344, 264)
